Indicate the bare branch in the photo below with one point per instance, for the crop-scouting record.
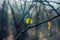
(12, 12)
(52, 7)
(48, 1)
(35, 26)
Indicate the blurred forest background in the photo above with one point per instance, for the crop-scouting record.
(29, 19)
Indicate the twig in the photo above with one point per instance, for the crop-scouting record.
(36, 26)
(52, 7)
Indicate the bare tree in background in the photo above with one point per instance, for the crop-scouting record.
(20, 13)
